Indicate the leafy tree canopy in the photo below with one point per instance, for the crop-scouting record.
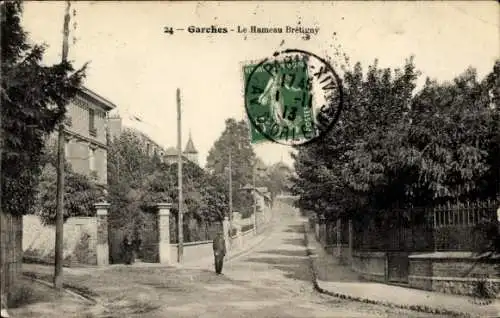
(33, 99)
(395, 146)
(235, 139)
(81, 193)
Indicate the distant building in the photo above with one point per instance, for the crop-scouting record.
(190, 153)
(168, 155)
(116, 128)
(86, 134)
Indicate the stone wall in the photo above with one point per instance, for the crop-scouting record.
(452, 272)
(79, 245)
(192, 251)
(370, 265)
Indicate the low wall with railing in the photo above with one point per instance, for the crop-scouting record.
(414, 255)
(192, 251)
(453, 272)
(239, 240)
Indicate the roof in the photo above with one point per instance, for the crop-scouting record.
(171, 151)
(190, 146)
(103, 102)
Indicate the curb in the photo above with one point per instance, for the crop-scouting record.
(259, 238)
(67, 290)
(418, 308)
(264, 235)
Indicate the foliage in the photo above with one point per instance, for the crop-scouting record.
(128, 168)
(33, 99)
(276, 178)
(394, 146)
(137, 182)
(80, 193)
(235, 139)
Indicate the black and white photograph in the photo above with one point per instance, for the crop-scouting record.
(267, 159)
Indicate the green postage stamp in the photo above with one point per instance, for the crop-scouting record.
(289, 99)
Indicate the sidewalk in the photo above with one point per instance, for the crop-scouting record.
(208, 262)
(340, 281)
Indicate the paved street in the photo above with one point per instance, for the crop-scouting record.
(271, 280)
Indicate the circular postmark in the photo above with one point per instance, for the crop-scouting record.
(292, 98)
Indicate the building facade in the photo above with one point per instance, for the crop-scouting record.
(86, 134)
(150, 147)
(169, 155)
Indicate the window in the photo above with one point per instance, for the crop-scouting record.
(92, 129)
(92, 159)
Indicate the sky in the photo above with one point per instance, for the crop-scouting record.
(138, 67)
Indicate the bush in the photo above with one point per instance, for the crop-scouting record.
(79, 198)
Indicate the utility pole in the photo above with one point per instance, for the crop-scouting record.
(58, 279)
(230, 189)
(254, 192)
(180, 240)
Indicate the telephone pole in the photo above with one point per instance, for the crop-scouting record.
(58, 279)
(180, 240)
(254, 193)
(230, 190)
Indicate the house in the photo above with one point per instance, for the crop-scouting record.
(151, 147)
(190, 153)
(115, 128)
(86, 134)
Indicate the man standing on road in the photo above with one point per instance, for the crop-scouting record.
(219, 246)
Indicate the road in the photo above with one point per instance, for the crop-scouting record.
(272, 280)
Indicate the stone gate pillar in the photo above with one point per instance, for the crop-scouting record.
(225, 228)
(102, 233)
(164, 232)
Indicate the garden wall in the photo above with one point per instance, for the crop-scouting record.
(452, 272)
(370, 265)
(79, 245)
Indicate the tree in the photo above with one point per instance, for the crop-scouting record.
(138, 181)
(235, 139)
(129, 171)
(33, 99)
(396, 148)
(81, 193)
(351, 167)
(276, 178)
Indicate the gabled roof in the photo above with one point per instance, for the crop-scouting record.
(103, 102)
